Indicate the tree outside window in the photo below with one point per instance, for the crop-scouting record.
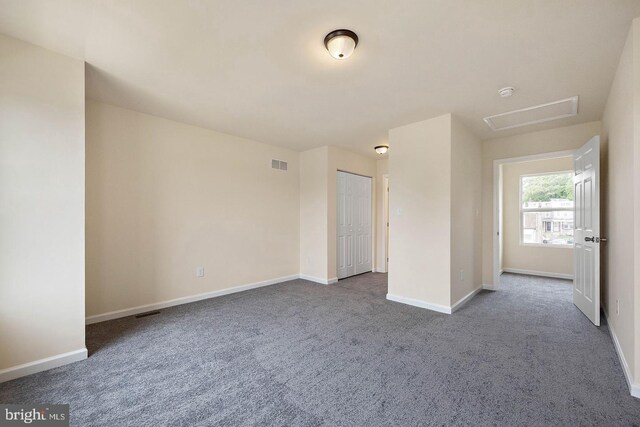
(546, 209)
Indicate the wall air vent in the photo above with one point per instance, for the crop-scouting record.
(148, 313)
(279, 164)
(534, 115)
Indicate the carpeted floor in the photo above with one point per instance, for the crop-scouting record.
(300, 353)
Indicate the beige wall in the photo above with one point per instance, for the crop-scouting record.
(313, 213)
(548, 259)
(42, 216)
(546, 141)
(382, 166)
(466, 206)
(621, 144)
(420, 211)
(164, 198)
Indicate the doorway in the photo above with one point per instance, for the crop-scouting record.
(354, 224)
(558, 209)
(533, 216)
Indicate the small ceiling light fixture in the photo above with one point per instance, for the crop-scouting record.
(506, 92)
(341, 43)
(381, 149)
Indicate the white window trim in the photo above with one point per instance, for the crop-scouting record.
(523, 210)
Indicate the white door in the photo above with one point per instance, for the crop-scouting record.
(344, 226)
(586, 254)
(353, 224)
(362, 223)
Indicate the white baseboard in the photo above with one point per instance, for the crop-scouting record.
(634, 388)
(25, 369)
(538, 273)
(465, 299)
(489, 287)
(419, 303)
(319, 280)
(184, 300)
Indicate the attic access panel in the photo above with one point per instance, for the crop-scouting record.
(533, 115)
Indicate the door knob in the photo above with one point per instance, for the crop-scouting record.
(590, 239)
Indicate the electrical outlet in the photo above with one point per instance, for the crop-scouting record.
(462, 275)
(200, 272)
(618, 307)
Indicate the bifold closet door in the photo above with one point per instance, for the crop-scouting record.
(353, 224)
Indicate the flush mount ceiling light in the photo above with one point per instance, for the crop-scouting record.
(381, 149)
(341, 43)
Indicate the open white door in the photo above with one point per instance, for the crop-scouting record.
(586, 254)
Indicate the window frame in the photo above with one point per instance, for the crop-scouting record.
(522, 211)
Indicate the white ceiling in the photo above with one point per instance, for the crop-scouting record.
(259, 69)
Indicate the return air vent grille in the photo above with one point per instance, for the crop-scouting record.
(148, 313)
(279, 164)
(534, 115)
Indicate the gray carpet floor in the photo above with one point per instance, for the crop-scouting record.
(299, 353)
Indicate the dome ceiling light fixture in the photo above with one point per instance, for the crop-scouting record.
(381, 149)
(341, 43)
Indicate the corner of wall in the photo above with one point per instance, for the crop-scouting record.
(45, 227)
(466, 205)
(636, 132)
(421, 183)
(621, 176)
(313, 213)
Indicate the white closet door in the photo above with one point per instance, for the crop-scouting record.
(362, 224)
(353, 224)
(344, 225)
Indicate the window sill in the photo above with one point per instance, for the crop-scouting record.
(549, 245)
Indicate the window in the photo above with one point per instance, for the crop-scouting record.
(546, 209)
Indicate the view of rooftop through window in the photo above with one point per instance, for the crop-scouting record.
(546, 209)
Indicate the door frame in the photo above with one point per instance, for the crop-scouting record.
(497, 212)
(385, 222)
